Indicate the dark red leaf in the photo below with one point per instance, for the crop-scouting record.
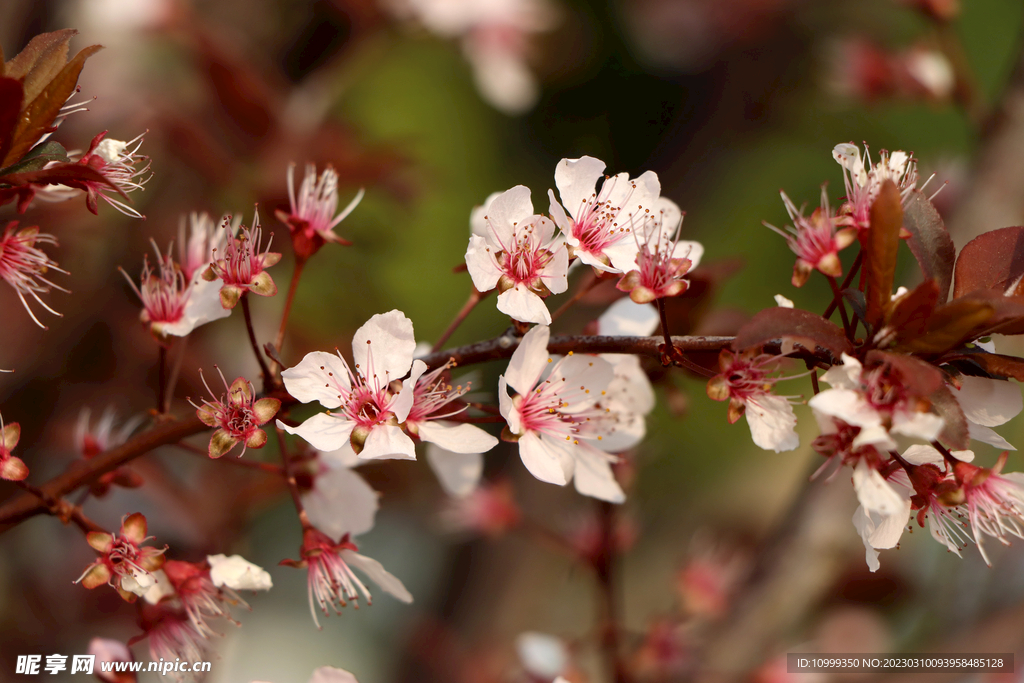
(37, 118)
(929, 241)
(910, 314)
(794, 325)
(881, 244)
(41, 60)
(994, 364)
(954, 433)
(950, 325)
(992, 261)
(10, 110)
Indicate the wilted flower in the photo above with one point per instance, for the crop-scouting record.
(23, 265)
(243, 267)
(118, 162)
(11, 466)
(864, 179)
(332, 583)
(520, 255)
(123, 562)
(237, 420)
(663, 259)
(312, 217)
(816, 240)
(199, 249)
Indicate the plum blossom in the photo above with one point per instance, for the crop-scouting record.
(243, 267)
(123, 563)
(630, 394)
(663, 259)
(745, 382)
(599, 224)
(364, 408)
(237, 416)
(173, 303)
(312, 216)
(454, 450)
(994, 501)
(332, 581)
(520, 255)
(237, 573)
(936, 495)
(878, 400)
(816, 240)
(863, 179)
(108, 650)
(883, 512)
(91, 440)
(23, 265)
(560, 414)
(121, 164)
(12, 468)
(205, 238)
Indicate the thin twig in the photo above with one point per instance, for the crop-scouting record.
(268, 379)
(589, 282)
(475, 297)
(846, 283)
(267, 467)
(293, 487)
(300, 263)
(161, 389)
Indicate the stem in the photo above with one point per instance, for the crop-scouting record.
(294, 285)
(814, 382)
(475, 297)
(161, 390)
(604, 566)
(172, 383)
(62, 509)
(589, 282)
(837, 296)
(293, 487)
(669, 346)
(545, 536)
(846, 283)
(268, 379)
(248, 464)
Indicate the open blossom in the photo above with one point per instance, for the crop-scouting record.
(340, 501)
(12, 468)
(936, 496)
(172, 304)
(988, 403)
(884, 509)
(559, 416)
(863, 179)
(237, 416)
(205, 238)
(243, 267)
(745, 381)
(816, 240)
(107, 650)
(171, 634)
(994, 501)
(663, 259)
(598, 224)
(332, 581)
(879, 400)
(456, 457)
(121, 164)
(23, 265)
(520, 255)
(312, 216)
(364, 410)
(91, 440)
(123, 563)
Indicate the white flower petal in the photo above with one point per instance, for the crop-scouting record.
(507, 407)
(543, 461)
(319, 377)
(864, 527)
(989, 436)
(203, 306)
(508, 209)
(480, 263)
(772, 423)
(329, 674)
(341, 457)
(627, 318)
(593, 475)
(322, 431)
(383, 347)
(160, 589)
(529, 360)
(783, 302)
(924, 426)
(458, 473)
(341, 502)
(691, 250)
(845, 376)
(380, 576)
(847, 405)
(555, 273)
(989, 402)
(576, 180)
(874, 492)
(457, 438)
(388, 442)
(402, 404)
(477, 224)
(921, 454)
(238, 574)
(542, 655)
(519, 303)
